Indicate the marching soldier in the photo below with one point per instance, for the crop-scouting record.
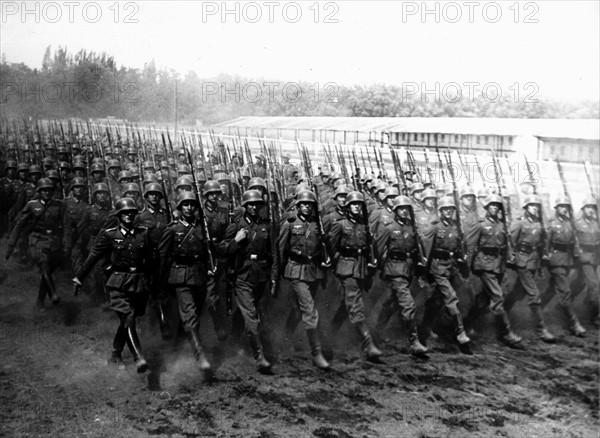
(183, 252)
(88, 229)
(397, 251)
(247, 241)
(383, 216)
(7, 194)
(45, 218)
(218, 219)
(416, 191)
(130, 251)
(488, 246)
(349, 248)
(589, 242)
(300, 252)
(444, 255)
(468, 207)
(155, 218)
(339, 196)
(561, 250)
(427, 214)
(528, 236)
(74, 207)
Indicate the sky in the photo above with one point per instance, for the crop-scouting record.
(542, 48)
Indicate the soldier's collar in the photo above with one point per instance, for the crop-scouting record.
(124, 231)
(100, 207)
(249, 219)
(446, 221)
(208, 207)
(302, 217)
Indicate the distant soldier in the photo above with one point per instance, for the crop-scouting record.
(415, 192)
(397, 252)
(561, 250)
(155, 218)
(75, 205)
(528, 237)
(384, 215)
(468, 208)
(7, 194)
(427, 214)
(303, 261)
(443, 250)
(183, 253)
(340, 194)
(130, 251)
(45, 218)
(488, 247)
(248, 242)
(349, 248)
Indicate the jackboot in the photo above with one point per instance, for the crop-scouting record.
(219, 323)
(262, 364)
(118, 345)
(461, 335)
(165, 329)
(39, 302)
(505, 334)
(574, 325)
(340, 316)
(373, 353)
(540, 327)
(427, 322)
(315, 349)
(51, 289)
(133, 343)
(203, 363)
(414, 346)
(291, 323)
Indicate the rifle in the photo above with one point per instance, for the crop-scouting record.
(510, 255)
(461, 236)
(427, 167)
(437, 151)
(372, 260)
(590, 183)
(577, 250)
(212, 267)
(308, 166)
(535, 192)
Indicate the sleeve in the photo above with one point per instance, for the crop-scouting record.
(83, 228)
(472, 237)
(22, 219)
(381, 241)
(101, 246)
(229, 244)
(335, 234)
(165, 252)
(429, 239)
(283, 243)
(515, 231)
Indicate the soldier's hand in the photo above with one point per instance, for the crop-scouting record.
(241, 235)
(274, 288)
(76, 285)
(372, 265)
(9, 251)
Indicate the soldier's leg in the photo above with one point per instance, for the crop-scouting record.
(579, 283)
(592, 282)
(404, 301)
(119, 341)
(526, 278)
(295, 315)
(450, 300)
(216, 301)
(341, 313)
(388, 308)
(123, 304)
(246, 301)
(356, 313)
(560, 284)
(433, 304)
(513, 290)
(304, 297)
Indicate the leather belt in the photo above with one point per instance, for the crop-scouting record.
(46, 232)
(563, 247)
(128, 269)
(302, 259)
(186, 260)
(442, 254)
(401, 256)
(351, 252)
(588, 248)
(255, 257)
(492, 251)
(525, 248)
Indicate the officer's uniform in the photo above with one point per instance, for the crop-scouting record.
(46, 220)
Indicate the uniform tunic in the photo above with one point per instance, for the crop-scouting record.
(589, 242)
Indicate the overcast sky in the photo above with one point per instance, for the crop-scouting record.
(553, 44)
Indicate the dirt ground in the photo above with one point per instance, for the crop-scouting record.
(56, 381)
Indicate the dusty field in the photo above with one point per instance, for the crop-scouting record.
(56, 381)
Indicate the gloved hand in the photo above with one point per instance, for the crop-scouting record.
(76, 285)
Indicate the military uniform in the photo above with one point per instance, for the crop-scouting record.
(331, 217)
(74, 209)
(45, 222)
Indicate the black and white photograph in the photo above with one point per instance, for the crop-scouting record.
(313, 218)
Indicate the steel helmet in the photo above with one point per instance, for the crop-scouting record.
(184, 169)
(97, 167)
(125, 204)
(64, 165)
(532, 199)
(401, 201)
(23, 167)
(306, 196)
(150, 178)
(78, 182)
(369, 177)
(148, 165)
(131, 151)
(79, 165)
(35, 169)
(251, 196)
(219, 168)
(493, 199)
(342, 190)
(336, 176)
(391, 192)
(257, 182)
(467, 191)
(48, 161)
(562, 200)
(114, 164)
(184, 180)
(591, 202)
(354, 197)
(97, 161)
(442, 187)
(132, 187)
(415, 187)
(100, 187)
(44, 183)
(300, 188)
(220, 176)
(164, 164)
(428, 193)
(124, 174)
(211, 186)
(446, 202)
(379, 186)
(153, 188)
(483, 193)
(11, 164)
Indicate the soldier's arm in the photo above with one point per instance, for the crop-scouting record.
(230, 246)
(335, 234)
(283, 243)
(101, 246)
(165, 251)
(382, 239)
(515, 230)
(23, 219)
(429, 238)
(472, 236)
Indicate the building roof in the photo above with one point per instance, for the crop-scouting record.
(584, 129)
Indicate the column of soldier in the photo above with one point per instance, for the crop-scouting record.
(216, 233)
